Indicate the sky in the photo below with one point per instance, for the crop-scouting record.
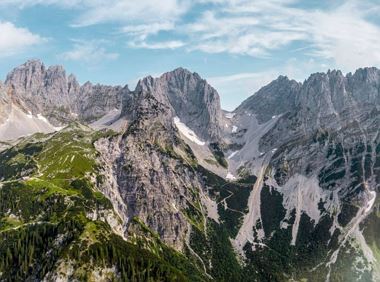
(237, 45)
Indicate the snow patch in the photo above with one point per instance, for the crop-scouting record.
(230, 115)
(232, 155)
(230, 176)
(19, 124)
(41, 117)
(234, 129)
(187, 132)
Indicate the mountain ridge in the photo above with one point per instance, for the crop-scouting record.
(275, 190)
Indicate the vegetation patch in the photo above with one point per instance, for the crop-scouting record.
(218, 154)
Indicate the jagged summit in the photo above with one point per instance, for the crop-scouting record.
(48, 91)
(276, 98)
(321, 94)
(187, 96)
(286, 187)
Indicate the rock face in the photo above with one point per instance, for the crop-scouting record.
(320, 154)
(188, 96)
(276, 98)
(155, 179)
(4, 102)
(49, 92)
(333, 100)
(298, 196)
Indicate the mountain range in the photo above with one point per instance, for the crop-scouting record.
(104, 183)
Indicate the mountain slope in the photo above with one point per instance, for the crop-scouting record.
(55, 224)
(159, 183)
(319, 163)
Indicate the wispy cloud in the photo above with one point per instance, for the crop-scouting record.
(142, 31)
(27, 3)
(131, 11)
(15, 39)
(346, 36)
(173, 44)
(340, 32)
(89, 52)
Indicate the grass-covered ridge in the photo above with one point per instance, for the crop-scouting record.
(54, 221)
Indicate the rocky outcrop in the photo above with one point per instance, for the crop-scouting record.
(302, 167)
(58, 97)
(188, 96)
(4, 102)
(94, 101)
(320, 153)
(153, 173)
(276, 98)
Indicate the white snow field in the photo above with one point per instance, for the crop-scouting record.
(187, 132)
(19, 124)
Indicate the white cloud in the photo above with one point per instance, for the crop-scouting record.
(338, 32)
(138, 18)
(346, 37)
(174, 44)
(244, 27)
(16, 39)
(132, 11)
(142, 31)
(90, 52)
(342, 35)
(119, 11)
(27, 3)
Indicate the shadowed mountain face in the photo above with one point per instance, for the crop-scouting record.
(159, 183)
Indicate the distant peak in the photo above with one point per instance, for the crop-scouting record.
(369, 73)
(56, 68)
(281, 80)
(72, 77)
(37, 64)
(282, 77)
(33, 62)
(181, 72)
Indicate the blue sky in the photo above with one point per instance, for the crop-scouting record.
(237, 45)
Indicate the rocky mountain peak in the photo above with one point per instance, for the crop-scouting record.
(368, 74)
(195, 102)
(183, 94)
(323, 96)
(332, 94)
(145, 85)
(276, 98)
(58, 97)
(73, 85)
(28, 76)
(180, 76)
